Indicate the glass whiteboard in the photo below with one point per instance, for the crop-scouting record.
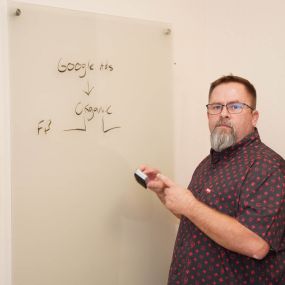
(91, 100)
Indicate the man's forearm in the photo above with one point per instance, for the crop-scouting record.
(223, 229)
(226, 230)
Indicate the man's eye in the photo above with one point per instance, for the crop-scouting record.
(235, 106)
(216, 107)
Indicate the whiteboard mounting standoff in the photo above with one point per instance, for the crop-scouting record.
(167, 31)
(18, 12)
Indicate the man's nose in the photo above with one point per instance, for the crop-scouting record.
(225, 112)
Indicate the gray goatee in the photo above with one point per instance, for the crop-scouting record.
(221, 138)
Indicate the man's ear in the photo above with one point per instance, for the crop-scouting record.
(255, 117)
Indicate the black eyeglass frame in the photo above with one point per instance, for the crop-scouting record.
(226, 105)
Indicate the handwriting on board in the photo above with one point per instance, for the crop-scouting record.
(84, 112)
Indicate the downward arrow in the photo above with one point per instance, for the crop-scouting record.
(88, 89)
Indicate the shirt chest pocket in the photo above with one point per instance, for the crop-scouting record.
(223, 201)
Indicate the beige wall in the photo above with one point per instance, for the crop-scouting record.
(211, 38)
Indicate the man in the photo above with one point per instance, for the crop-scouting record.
(233, 212)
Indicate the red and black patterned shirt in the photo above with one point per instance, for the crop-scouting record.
(245, 181)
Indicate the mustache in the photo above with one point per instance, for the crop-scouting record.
(223, 122)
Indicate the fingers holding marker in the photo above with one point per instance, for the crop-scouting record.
(149, 171)
(146, 176)
(155, 185)
(155, 181)
(159, 183)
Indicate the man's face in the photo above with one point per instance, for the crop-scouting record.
(226, 128)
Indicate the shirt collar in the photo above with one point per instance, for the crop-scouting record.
(249, 139)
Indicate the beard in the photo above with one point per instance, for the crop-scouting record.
(223, 138)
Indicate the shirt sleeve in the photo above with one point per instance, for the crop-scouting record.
(262, 206)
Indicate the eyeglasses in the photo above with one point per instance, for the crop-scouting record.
(233, 108)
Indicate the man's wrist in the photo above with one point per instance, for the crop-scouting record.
(190, 201)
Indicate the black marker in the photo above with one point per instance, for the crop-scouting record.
(141, 178)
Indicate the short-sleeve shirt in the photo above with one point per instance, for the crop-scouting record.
(247, 182)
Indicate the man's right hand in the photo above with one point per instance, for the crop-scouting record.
(154, 183)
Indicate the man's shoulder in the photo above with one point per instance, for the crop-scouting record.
(266, 155)
(205, 161)
(269, 153)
